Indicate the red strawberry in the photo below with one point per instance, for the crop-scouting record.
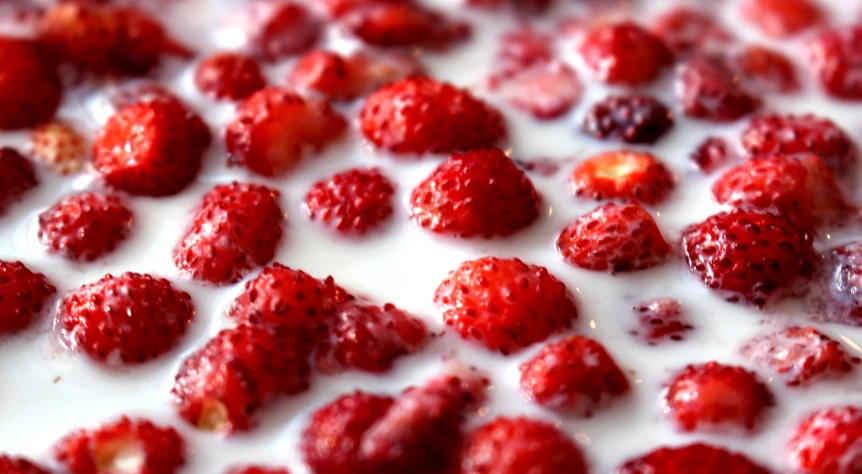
(767, 70)
(708, 89)
(221, 386)
(275, 127)
(229, 76)
(793, 134)
(236, 229)
(278, 29)
(661, 319)
(518, 446)
(22, 296)
(352, 201)
(504, 304)
(622, 175)
(695, 458)
(85, 226)
(632, 119)
(420, 115)
(30, 89)
(835, 58)
(337, 8)
(370, 338)
(257, 470)
(781, 18)
(59, 146)
(111, 447)
(842, 279)
(712, 395)
(16, 465)
(614, 238)
(687, 30)
(150, 148)
(624, 53)
(799, 354)
(711, 154)
(829, 441)
(17, 176)
(404, 24)
(546, 91)
(749, 256)
(522, 49)
(575, 375)
(478, 193)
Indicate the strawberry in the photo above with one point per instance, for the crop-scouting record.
(829, 441)
(624, 53)
(59, 146)
(141, 92)
(236, 229)
(30, 88)
(111, 448)
(23, 295)
(614, 238)
(781, 18)
(767, 70)
(257, 470)
(834, 58)
(85, 226)
(420, 115)
(274, 127)
(352, 201)
(842, 282)
(629, 118)
(404, 24)
(221, 386)
(229, 76)
(708, 89)
(794, 134)
(749, 256)
(504, 304)
(478, 193)
(518, 446)
(522, 49)
(711, 154)
(17, 176)
(522, 6)
(369, 338)
(686, 30)
(150, 148)
(695, 458)
(712, 395)
(277, 29)
(338, 8)
(575, 375)
(661, 319)
(17, 465)
(622, 175)
(799, 354)
(547, 91)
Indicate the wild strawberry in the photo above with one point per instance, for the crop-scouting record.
(575, 375)
(352, 201)
(632, 119)
(792, 134)
(520, 445)
(257, 470)
(782, 17)
(23, 295)
(113, 447)
(236, 229)
(59, 146)
(230, 76)
(835, 59)
(695, 458)
(17, 176)
(478, 193)
(337, 8)
(712, 395)
(30, 89)
(708, 89)
(661, 319)
(420, 115)
(614, 238)
(842, 279)
(622, 175)
(749, 256)
(767, 70)
(404, 24)
(829, 441)
(221, 386)
(17, 465)
(522, 49)
(125, 320)
(686, 30)
(369, 338)
(504, 304)
(85, 226)
(799, 354)
(624, 53)
(711, 154)
(546, 91)
(277, 29)
(274, 128)
(150, 148)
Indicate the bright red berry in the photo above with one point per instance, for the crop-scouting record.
(714, 396)
(404, 24)
(23, 295)
(257, 470)
(695, 458)
(842, 279)
(18, 465)
(478, 193)
(229, 76)
(546, 91)
(631, 119)
(661, 319)
(766, 70)
(277, 29)
(274, 128)
(504, 304)
(30, 88)
(420, 115)
(749, 256)
(85, 226)
(622, 175)
(712, 154)
(708, 89)
(782, 17)
(522, 49)
(829, 441)
(17, 176)
(59, 146)
(835, 58)
(110, 448)
(351, 202)
(624, 53)
(686, 30)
